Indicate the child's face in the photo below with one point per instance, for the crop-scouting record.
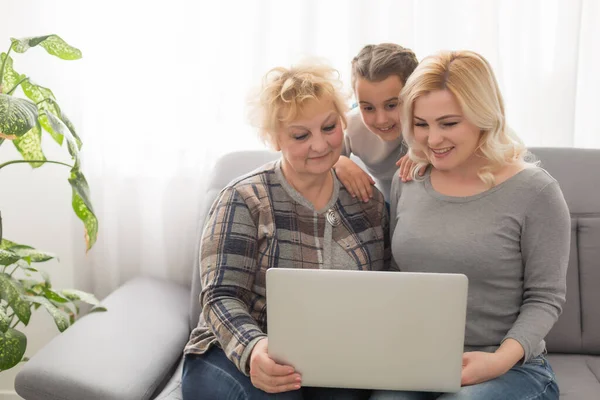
(379, 106)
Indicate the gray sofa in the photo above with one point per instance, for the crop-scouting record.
(134, 350)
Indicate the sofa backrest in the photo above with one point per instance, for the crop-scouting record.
(578, 173)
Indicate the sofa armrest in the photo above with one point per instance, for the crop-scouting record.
(124, 353)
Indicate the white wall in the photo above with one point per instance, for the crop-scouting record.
(36, 204)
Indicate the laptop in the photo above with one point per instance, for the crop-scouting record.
(368, 329)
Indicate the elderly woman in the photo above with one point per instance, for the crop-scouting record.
(483, 211)
(291, 213)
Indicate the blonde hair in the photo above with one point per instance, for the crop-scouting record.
(469, 77)
(376, 62)
(286, 92)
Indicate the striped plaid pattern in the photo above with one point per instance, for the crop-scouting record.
(254, 225)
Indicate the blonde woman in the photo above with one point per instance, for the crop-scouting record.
(291, 213)
(482, 210)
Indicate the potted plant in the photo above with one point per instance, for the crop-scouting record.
(23, 287)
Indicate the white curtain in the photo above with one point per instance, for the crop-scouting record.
(166, 82)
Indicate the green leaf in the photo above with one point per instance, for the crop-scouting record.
(52, 43)
(12, 348)
(17, 116)
(55, 296)
(4, 320)
(34, 254)
(45, 101)
(32, 287)
(7, 257)
(56, 127)
(11, 291)
(79, 295)
(46, 278)
(30, 146)
(71, 127)
(60, 318)
(10, 77)
(83, 206)
(6, 244)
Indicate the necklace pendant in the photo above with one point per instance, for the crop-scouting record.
(333, 218)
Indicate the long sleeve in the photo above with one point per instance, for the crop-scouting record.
(394, 197)
(545, 244)
(228, 267)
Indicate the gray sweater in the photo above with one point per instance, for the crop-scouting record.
(512, 242)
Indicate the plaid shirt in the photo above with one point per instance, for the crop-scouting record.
(254, 225)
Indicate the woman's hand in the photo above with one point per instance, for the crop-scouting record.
(479, 366)
(406, 165)
(355, 180)
(269, 376)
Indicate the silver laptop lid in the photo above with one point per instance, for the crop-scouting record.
(367, 329)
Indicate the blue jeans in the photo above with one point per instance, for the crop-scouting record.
(213, 376)
(533, 381)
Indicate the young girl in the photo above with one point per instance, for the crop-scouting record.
(379, 72)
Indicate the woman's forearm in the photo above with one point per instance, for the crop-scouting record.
(509, 353)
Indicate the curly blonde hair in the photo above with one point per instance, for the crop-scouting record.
(286, 92)
(469, 77)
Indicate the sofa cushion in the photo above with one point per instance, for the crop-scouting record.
(172, 390)
(578, 376)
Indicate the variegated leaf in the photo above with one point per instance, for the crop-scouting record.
(13, 344)
(11, 291)
(71, 127)
(10, 77)
(53, 295)
(52, 43)
(56, 127)
(38, 94)
(30, 146)
(83, 206)
(34, 255)
(7, 257)
(60, 318)
(78, 295)
(5, 244)
(4, 320)
(32, 287)
(17, 116)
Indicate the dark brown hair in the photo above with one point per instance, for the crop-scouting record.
(376, 62)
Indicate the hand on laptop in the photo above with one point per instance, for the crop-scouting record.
(269, 376)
